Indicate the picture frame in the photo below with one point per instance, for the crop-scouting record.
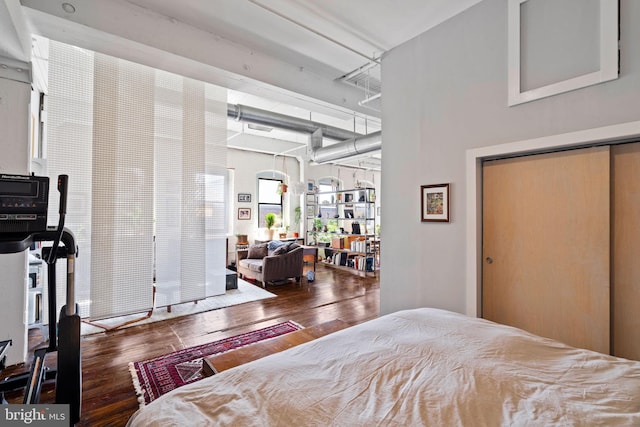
(311, 186)
(244, 213)
(244, 197)
(434, 203)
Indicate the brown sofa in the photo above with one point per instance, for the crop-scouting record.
(269, 262)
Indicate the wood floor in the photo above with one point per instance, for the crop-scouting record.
(108, 395)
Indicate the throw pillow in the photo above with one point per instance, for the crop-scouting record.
(275, 244)
(280, 250)
(291, 246)
(257, 251)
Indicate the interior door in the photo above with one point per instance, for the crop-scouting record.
(625, 250)
(546, 245)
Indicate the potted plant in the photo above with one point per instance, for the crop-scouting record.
(314, 237)
(296, 219)
(332, 226)
(270, 220)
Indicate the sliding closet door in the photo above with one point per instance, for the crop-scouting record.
(625, 248)
(546, 245)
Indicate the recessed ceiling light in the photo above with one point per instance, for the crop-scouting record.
(68, 7)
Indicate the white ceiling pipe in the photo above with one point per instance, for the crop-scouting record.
(244, 113)
(351, 144)
(349, 148)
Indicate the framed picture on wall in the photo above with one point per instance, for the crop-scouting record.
(311, 186)
(244, 197)
(434, 203)
(244, 213)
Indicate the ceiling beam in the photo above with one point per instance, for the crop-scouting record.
(15, 38)
(127, 31)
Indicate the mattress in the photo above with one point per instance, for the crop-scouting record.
(412, 368)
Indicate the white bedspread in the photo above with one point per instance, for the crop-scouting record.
(413, 368)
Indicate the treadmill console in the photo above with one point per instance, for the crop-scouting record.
(23, 203)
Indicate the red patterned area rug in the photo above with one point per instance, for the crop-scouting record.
(154, 377)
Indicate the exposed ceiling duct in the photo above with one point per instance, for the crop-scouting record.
(247, 114)
(349, 148)
(351, 143)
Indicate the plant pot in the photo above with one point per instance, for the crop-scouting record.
(296, 234)
(270, 234)
(282, 235)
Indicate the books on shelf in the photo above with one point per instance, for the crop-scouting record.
(339, 258)
(363, 246)
(362, 263)
(359, 262)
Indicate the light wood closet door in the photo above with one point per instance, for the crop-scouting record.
(546, 245)
(625, 250)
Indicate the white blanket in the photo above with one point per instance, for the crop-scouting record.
(413, 368)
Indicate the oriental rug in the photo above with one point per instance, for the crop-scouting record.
(154, 377)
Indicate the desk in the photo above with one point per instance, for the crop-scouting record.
(310, 251)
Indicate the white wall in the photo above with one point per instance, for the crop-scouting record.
(14, 159)
(446, 92)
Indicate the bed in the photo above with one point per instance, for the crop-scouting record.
(411, 368)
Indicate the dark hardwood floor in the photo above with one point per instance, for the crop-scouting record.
(108, 395)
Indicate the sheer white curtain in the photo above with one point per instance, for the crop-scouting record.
(190, 189)
(145, 152)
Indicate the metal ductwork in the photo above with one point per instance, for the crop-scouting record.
(352, 143)
(243, 113)
(349, 148)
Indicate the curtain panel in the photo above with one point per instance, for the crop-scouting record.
(145, 151)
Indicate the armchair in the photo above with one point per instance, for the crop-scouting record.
(268, 262)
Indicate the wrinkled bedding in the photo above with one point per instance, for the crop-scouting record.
(413, 368)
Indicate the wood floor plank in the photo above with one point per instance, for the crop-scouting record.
(108, 394)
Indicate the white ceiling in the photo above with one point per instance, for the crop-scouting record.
(281, 55)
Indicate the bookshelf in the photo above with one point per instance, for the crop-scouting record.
(343, 223)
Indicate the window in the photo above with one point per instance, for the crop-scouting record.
(269, 200)
(326, 201)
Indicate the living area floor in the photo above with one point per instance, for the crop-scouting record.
(108, 394)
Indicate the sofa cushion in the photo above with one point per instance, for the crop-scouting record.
(257, 251)
(252, 264)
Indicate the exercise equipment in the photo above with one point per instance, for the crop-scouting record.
(23, 219)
